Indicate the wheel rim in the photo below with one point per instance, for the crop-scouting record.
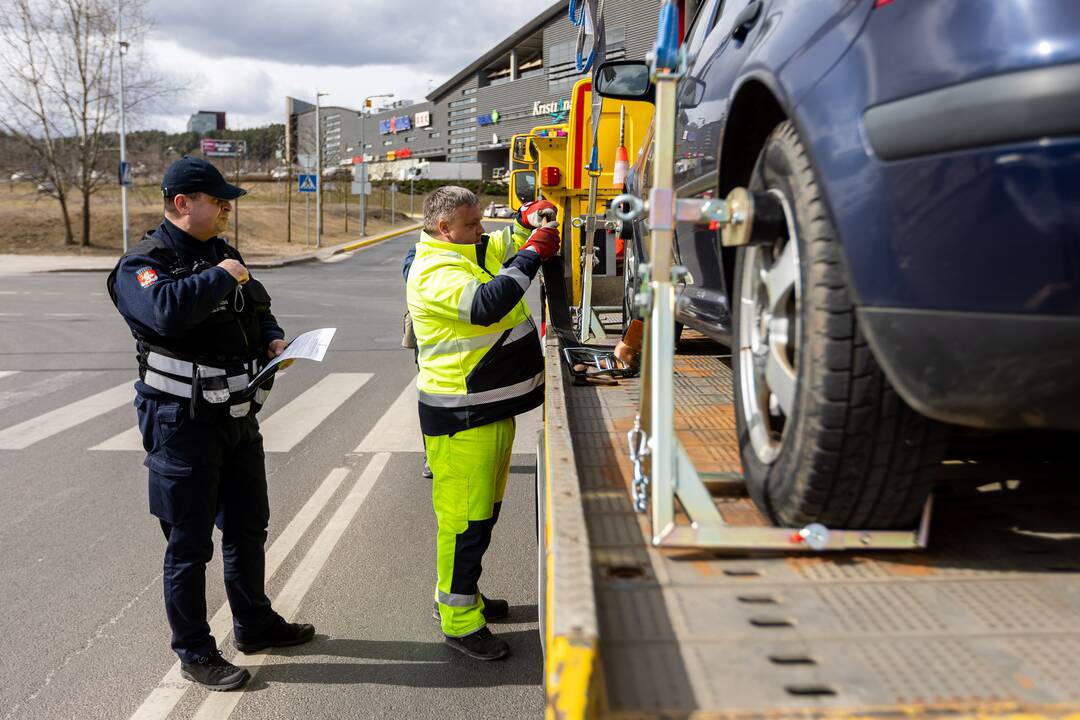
(768, 321)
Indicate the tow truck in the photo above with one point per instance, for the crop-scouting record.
(665, 592)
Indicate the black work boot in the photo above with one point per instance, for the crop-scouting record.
(280, 634)
(494, 609)
(214, 672)
(482, 645)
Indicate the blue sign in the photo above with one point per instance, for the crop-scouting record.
(491, 118)
(308, 183)
(125, 174)
(399, 123)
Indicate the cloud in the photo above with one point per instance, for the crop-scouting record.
(243, 58)
(430, 36)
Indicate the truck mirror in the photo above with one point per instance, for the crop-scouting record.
(523, 150)
(522, 188)
(624, 80)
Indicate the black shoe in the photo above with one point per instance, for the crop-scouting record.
(481, 645)
(494, 609)
(426, 472)
(214, 672)
(280, 634)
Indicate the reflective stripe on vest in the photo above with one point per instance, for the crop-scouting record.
(482, 398)
(479, 342)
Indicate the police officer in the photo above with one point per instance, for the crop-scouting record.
(480, 365)
(203, 327)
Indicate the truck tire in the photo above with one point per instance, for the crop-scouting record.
(823, 436)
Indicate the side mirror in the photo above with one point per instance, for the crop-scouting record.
(522, 188)
(691, 92)
(523, 150)
(624, 80)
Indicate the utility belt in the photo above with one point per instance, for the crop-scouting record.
(214, 392)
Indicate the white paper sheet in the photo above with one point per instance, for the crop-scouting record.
(311, 345)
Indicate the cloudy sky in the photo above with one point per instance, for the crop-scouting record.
(244, 57)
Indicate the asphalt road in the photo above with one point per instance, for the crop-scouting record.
(351, 548)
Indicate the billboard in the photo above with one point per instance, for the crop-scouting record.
(224, 148)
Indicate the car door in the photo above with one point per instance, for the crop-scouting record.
(720, 45)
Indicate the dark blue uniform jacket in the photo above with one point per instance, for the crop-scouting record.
(193, 308)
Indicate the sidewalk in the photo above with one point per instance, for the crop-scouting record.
(23, 264)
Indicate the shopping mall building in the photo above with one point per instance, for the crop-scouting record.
(522, 82)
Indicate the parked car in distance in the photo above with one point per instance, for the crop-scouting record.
(927, 157)
(279, 173)
(494, 210)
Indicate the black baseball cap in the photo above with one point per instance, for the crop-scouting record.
(192, 175)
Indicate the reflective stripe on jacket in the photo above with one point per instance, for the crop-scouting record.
(478, 348)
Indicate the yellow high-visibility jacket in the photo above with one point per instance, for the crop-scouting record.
(478, 348)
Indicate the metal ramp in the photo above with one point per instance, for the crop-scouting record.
(986, 623)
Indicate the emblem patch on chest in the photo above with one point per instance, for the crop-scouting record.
(146, 277)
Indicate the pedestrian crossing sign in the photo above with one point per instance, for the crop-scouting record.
(308, 183)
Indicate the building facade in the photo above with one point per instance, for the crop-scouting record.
(206, 121)
(522, 82)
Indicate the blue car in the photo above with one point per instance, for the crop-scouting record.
(926, 154)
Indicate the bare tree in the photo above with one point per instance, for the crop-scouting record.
(59, 93)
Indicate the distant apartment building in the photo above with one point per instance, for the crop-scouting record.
(206, 121)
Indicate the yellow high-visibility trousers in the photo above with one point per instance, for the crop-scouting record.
(470, 470)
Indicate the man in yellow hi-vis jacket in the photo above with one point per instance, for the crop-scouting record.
(480, 365)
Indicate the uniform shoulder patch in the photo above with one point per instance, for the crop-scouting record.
(147, 276)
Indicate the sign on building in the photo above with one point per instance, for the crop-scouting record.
(224, 148)
(399, 123)
(558, 106)
(491, 118)
(422, 119)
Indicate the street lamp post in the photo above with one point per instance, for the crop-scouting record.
(318, 170)
(121, 50)
(363, 164)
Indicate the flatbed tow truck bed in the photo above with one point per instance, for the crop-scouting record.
(986, 622)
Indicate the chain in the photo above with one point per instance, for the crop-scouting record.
(639, 450)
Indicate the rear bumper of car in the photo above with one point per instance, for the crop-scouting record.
(986, 370)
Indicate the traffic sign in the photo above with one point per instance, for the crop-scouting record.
(306, 160)
(361, 188)
(125, 174)
(308, 183)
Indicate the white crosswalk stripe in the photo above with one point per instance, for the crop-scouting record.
(45, 426)
(283, 430)
(5, 373)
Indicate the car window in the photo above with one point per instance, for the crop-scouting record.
(702, 24)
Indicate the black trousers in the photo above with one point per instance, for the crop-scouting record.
(202, 474)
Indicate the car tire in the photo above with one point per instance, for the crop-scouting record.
(631, 285)
(823, 438)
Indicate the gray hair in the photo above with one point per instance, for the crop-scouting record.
(443, 203)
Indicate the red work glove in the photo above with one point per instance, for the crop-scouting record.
(535, 214)
(545, 241)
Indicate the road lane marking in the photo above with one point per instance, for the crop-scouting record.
(45, 386)
(5, 373)
(283, 430)
(219, 706)
(161, 701)
(44, 426)
(130, 439)
(398, 430)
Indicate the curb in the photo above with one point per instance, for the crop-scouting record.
(273, 262)
(325, 253)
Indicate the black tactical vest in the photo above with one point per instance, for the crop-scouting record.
(229, 335)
